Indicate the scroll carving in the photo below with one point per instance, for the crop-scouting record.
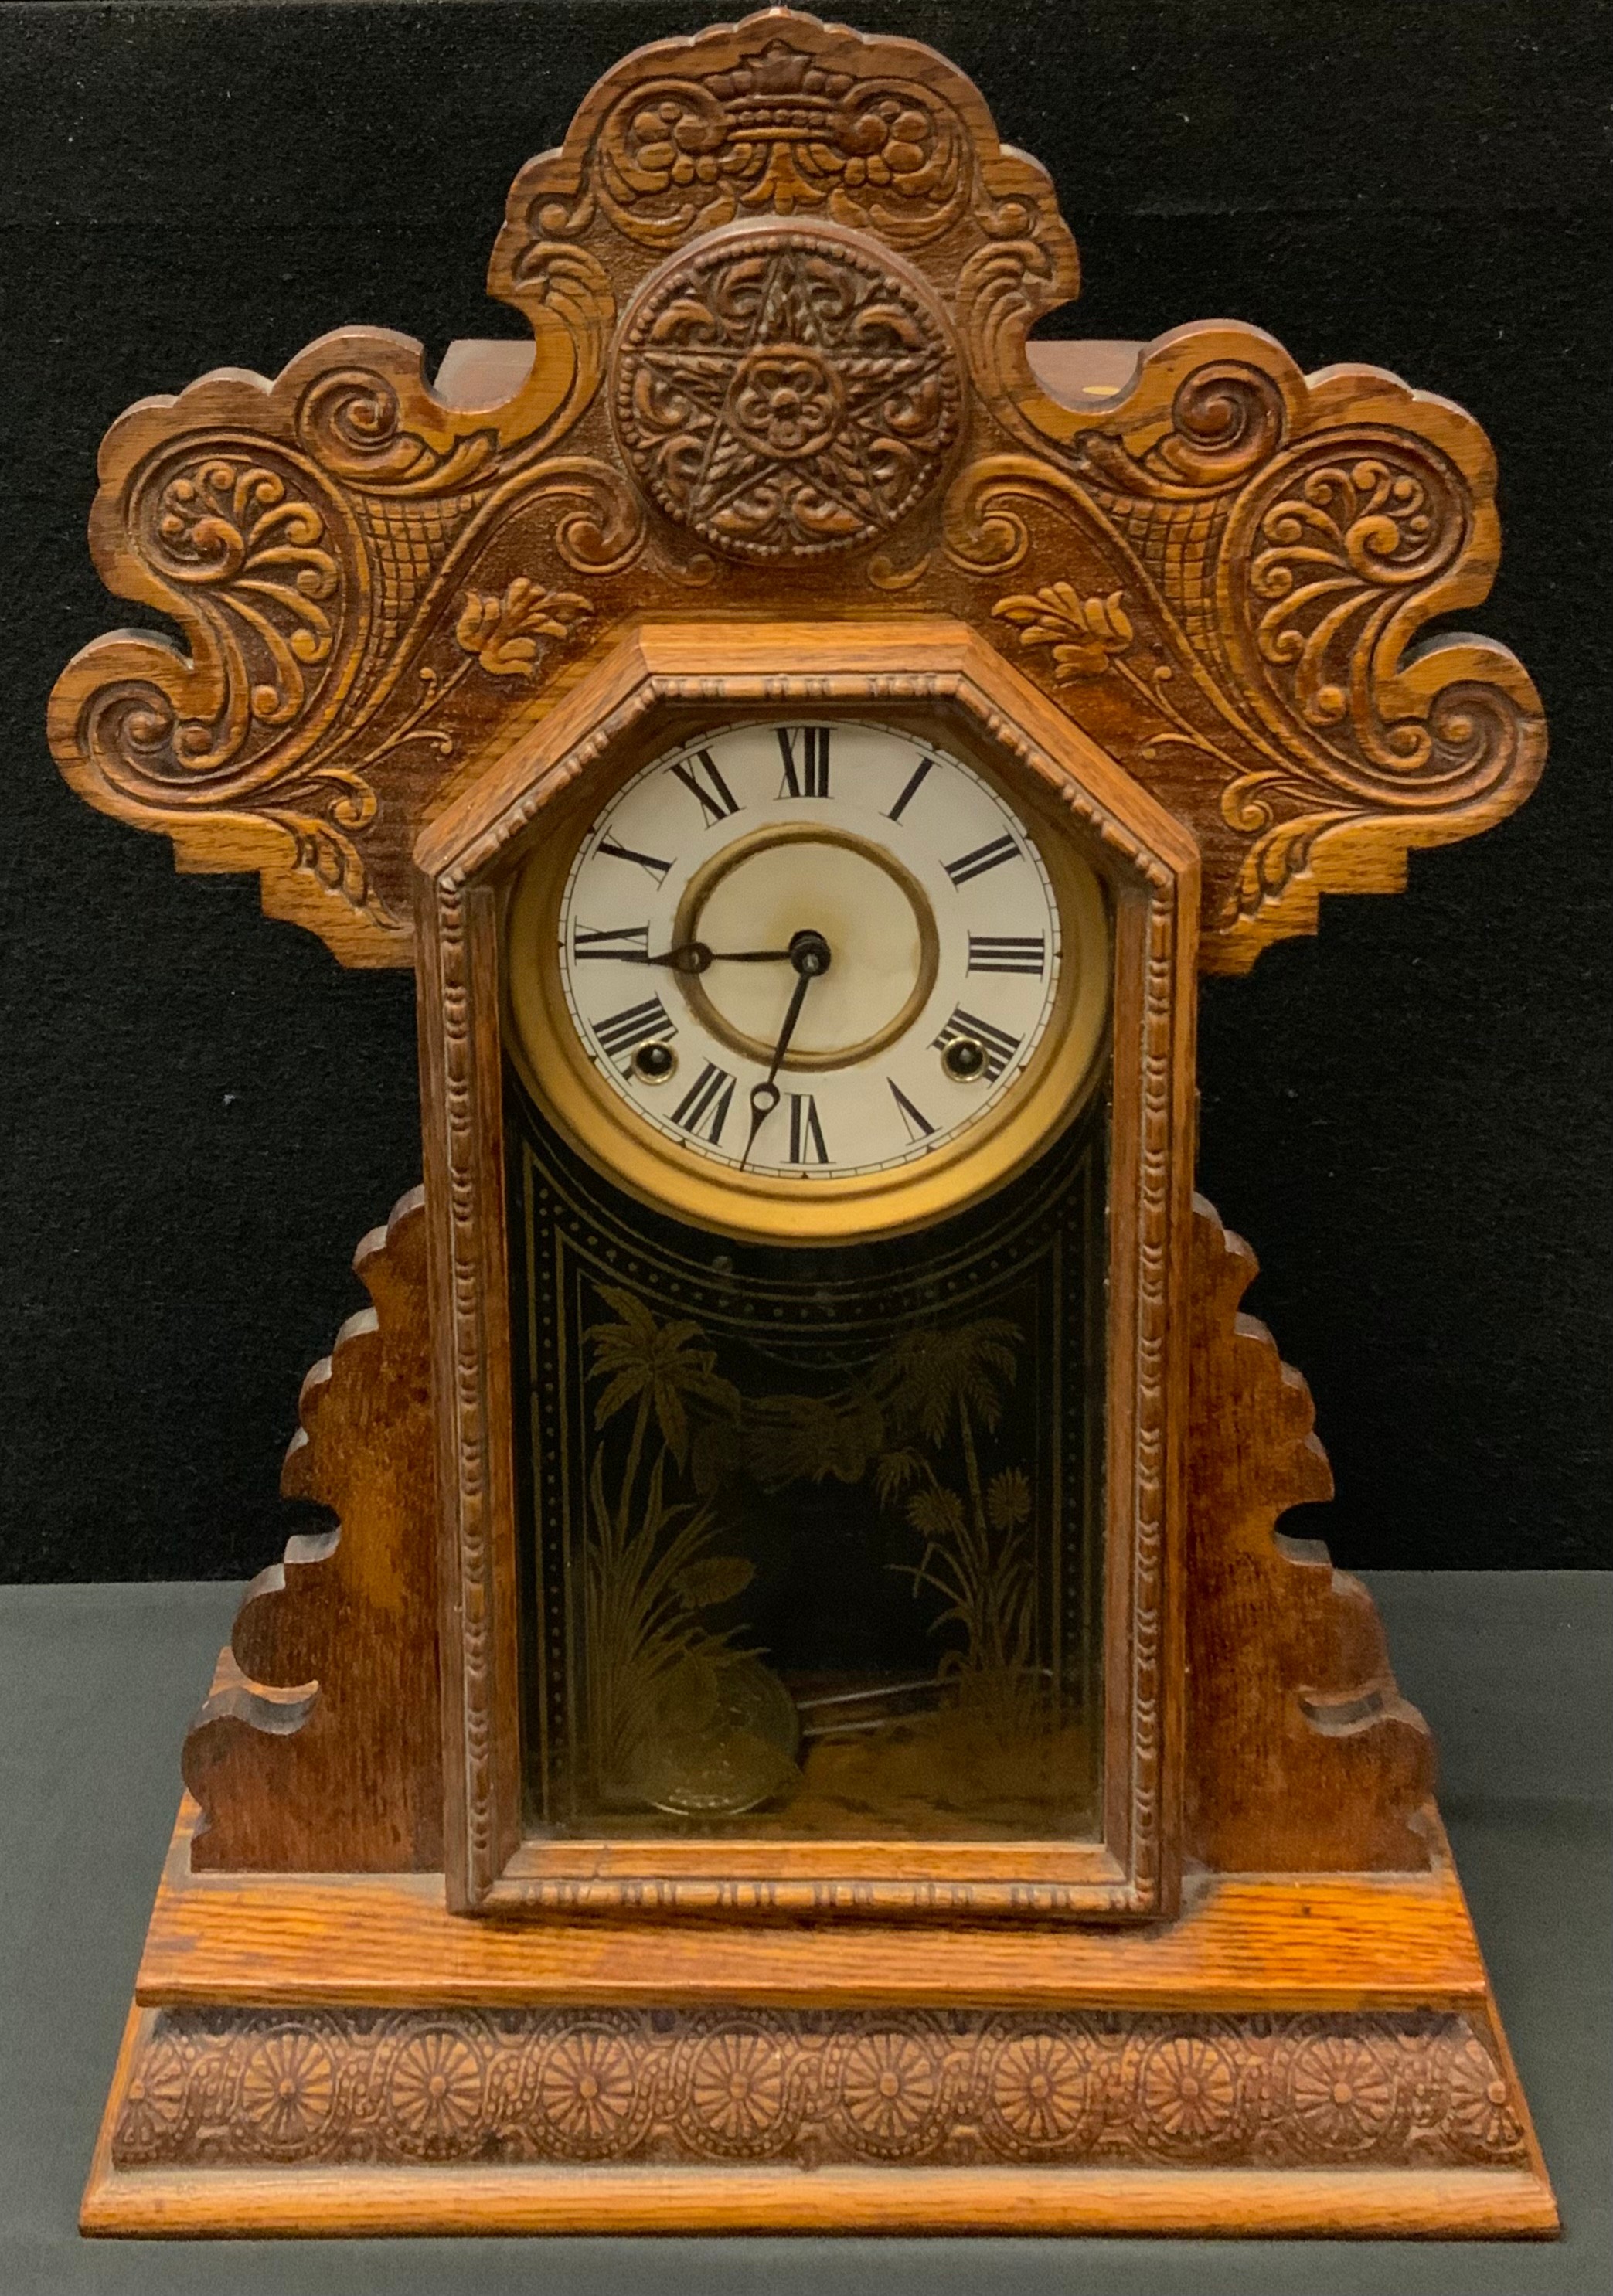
(781, 279)
(1302, 535)
(319, 1746)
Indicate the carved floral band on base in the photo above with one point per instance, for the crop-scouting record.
(214, 2088)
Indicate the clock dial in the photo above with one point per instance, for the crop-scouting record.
(805, 957)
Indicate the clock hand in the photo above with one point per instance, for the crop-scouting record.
(809, 953)
(694, 956)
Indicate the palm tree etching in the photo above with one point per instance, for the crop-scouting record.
(976, 1554)
(648, 1568)
(921, 1424)
(933, 1387)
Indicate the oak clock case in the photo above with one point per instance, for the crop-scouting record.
(841, 1575)
(805, 1712)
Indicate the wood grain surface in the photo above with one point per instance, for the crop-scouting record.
(1304, 1754)
(1314, 2054)
(1331, 1941)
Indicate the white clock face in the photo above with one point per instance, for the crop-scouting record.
(809, 951)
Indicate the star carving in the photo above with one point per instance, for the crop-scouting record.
(786, 395)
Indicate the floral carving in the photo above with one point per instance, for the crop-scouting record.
(1084, 634)
(434, 2094)
(288, 2089)
(1344, 2094)
(737, 2100)
(1087, 637)
(784, 394)
(1044, 2091)
(157, 2103)
(783, 134)
(1481, 2109)
(1336, 552)
(247, 537)
(587, 2092)
(1301, 565)
(891, 2092)
(502, 632)
(682, 2087)
(1334, 557)
(1187, 2087)
(253, 546)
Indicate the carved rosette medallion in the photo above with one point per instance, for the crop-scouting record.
(786, 390)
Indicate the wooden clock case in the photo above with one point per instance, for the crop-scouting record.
(1176, 588)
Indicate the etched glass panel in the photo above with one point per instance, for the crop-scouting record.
(811, 1540)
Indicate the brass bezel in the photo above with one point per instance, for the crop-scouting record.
(542, 1038)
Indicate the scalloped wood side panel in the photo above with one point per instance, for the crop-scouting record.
(319, 1746)
(1304, 1756)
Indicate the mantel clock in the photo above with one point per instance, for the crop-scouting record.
(804, 1716)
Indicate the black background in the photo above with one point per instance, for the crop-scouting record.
(202, 1111)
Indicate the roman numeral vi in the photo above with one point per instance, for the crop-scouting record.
(806, 1133)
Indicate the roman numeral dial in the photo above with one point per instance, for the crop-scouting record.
(805, 750)
(701, 776)
(992, 855)
(634, 1025)
(798, 956)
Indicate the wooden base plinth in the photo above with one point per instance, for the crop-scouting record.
(1296, 2054)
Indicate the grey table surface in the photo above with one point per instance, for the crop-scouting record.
(96, 1684)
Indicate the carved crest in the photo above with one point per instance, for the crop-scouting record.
(781, 279)
(783, 392)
